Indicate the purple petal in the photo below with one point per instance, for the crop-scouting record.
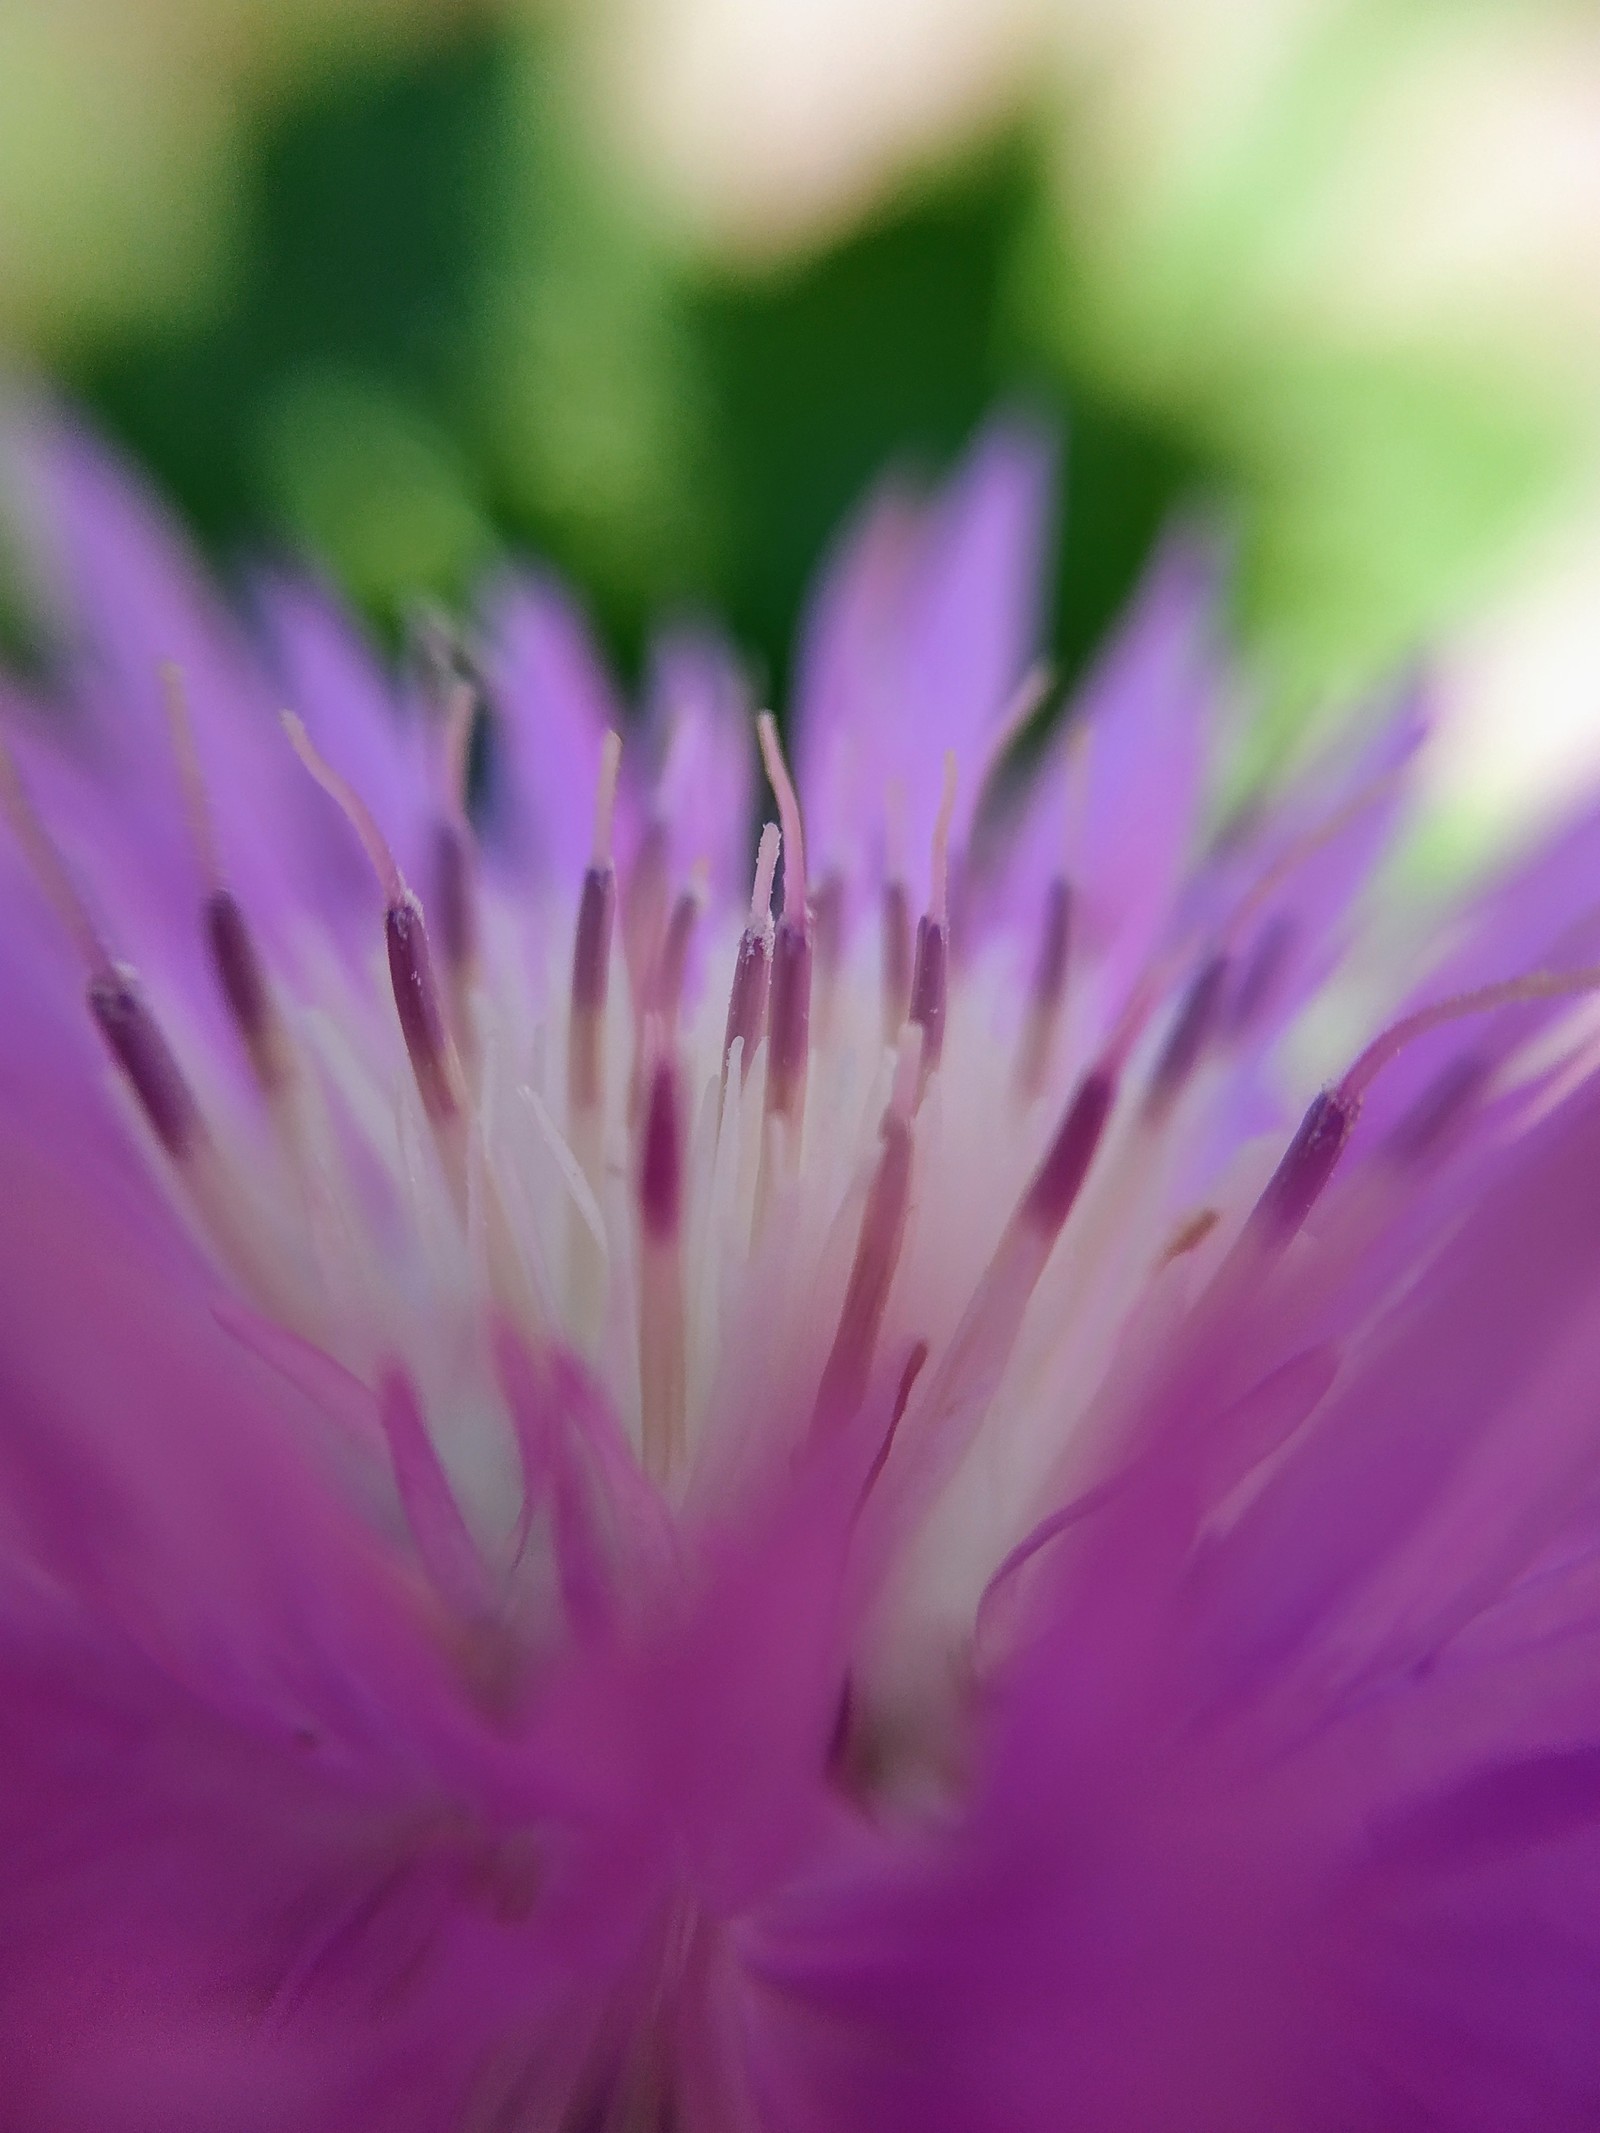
(556, 704)
(698, 706)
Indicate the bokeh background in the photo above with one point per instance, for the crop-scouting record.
(655, 287)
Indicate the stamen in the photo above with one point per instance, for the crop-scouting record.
(877, 1255)
(902, 1399)
(591, 967)
(1187, 1038)
(454, 899)
(455, 884)
(747, 1003)
(827, 921)
(661, 1317)
(789, 1019)
(131, 1033)
(134, 1039)
(196, 798)
(644, 912)
(789, 996)
(355, 810)
(45, 864)
(1511, 992)
(975, 1362)
(661, 1162)
(929, 988)
(939, 870)
(434, 1063)
(244, 987)
(752, 970)
(605, 798)
(460, 720)
(794, 846)
(229, 941)
(1048, 993)
(591, 982)
(930, 977)
(1059, 1178)
(1025, 701)
(1308, 1163)
(1189, 1236)
(1259, 978)
(897, 958)
(422, 1023)
(1306, 848)
(1440, 1106)
(673, 963)
(827, 935)
(766, 871)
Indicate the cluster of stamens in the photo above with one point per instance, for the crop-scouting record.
(846, 1183)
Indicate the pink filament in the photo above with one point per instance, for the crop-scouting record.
(196, 799)
(939, 873)
(877, 1255)
(49, 870)
(1015, 717)
(354, 808)
(1511, 992)
(766, 871)
(1306, 848)
(460, 715)
(897, 958)
(605, 798)
(794, 846)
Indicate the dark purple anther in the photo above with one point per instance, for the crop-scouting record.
(747, 1000)
(896, 959)
(591, 973)
(244, 984)
(1308, 1162)
(591, 945)
(1442, 1104)
(883, 1220)
(661, 1159)
(1049, 990)
(454, 904)
(827, 923)
(929, 987)
(674, 959)
(644, 908)
(1187, 1038)
(789, 1018)
(1055, 948)
(1259, 978)
(416, 999)
(135, 1041)
(1059, 1178)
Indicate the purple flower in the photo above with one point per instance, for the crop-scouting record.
(623, 1510)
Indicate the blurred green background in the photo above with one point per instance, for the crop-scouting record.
(405, 285)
